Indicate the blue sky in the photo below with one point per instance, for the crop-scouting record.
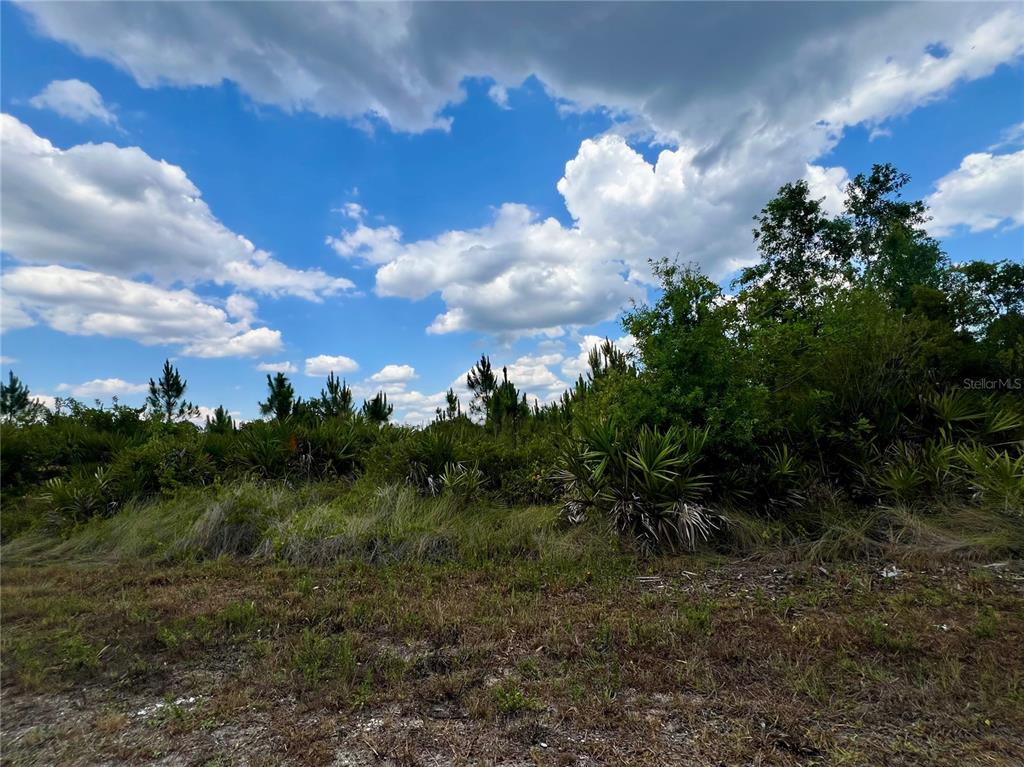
(402, 188)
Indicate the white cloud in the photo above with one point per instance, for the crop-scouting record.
(499, 95)
(80, 302)
(987, 190)
(903, 83)
(828, 185)
(50, 403)
(118, 210)
(394, 374)
(250, 343)
(241, 307)
(1012, 136)
(324, 364)
(276, 367)
(516, 275)
(5, 360)
(104, 387)
(75, 100)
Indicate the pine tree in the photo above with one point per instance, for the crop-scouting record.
(15, 402)
(336, 399)
(221, 423)
(377, 410)
(506, 406)
(482, 384)
(167, 395)
(281, 400)
(452, 409)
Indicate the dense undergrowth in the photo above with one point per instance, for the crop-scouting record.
(858, 392)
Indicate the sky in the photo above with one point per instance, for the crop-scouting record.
(389, 191)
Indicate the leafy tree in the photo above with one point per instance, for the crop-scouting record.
(221, 423)
(695, 370)
(482, 385)
(803, 252)
(377, 410)
(893, 250)
(167, 395)
(281, 400)
(807, 256)
(335, 400)
(15, 402)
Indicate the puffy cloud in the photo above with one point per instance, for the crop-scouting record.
(118, 210)
(324, 364)
(394, 374)
(75, 100)
(104, 387)
(276, 367)
(241, 307)
(516, 275)
(5, 360)
(829, 185)
(247, 344)
(985, 191)
(80, 302)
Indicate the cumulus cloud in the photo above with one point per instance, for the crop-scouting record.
(118, 210)
(276, 367)
(75, 100)
(828, 185)
(394, 374)
(323, 364)
(986, 191)
(518, 274)
(103, 387)
(80, 302)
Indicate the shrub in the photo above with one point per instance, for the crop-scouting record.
(646, 485)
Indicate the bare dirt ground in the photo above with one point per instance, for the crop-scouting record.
(678, 661)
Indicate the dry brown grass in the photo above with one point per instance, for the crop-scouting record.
(678, 660)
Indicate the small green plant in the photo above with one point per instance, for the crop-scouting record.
(512, 699)
(317, 658)
(695, 618)
(987, 624)
(240, 618)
